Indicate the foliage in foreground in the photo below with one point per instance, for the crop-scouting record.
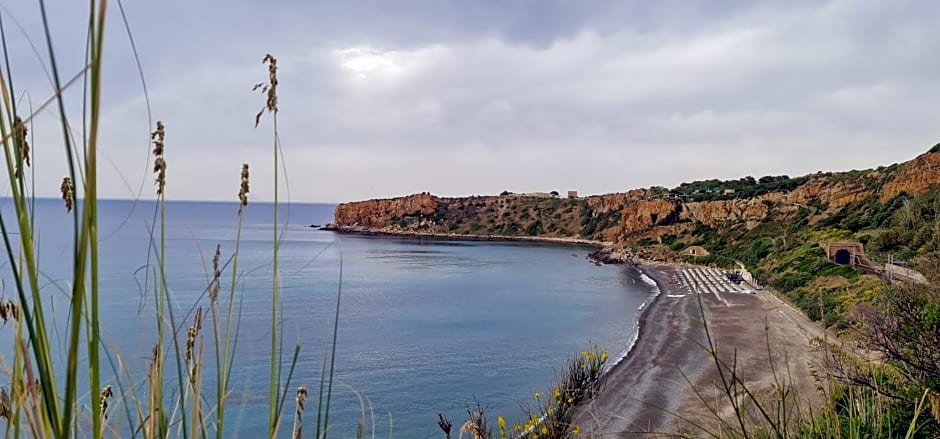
(173, 397)
(896, 395)
(551, 414)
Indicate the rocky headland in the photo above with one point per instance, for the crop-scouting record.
(778, 227)
(640, 214)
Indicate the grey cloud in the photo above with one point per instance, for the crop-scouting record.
(382, 98)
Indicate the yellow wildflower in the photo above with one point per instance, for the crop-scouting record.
(576, 430)
(538, 395)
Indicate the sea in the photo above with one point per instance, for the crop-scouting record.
(425, 326)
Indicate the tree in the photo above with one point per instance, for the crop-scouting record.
(554, 193)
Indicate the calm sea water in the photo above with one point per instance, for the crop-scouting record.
(425, 326)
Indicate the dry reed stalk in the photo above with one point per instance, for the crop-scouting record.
(4, 404)
(298, 415)
(30, 396)
(196, 381)
(194, 361)
(154, 388)
(445, 425)
(476, 425)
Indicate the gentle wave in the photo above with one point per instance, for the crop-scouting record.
(636, 322)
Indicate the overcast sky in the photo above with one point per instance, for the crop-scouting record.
(456, 97)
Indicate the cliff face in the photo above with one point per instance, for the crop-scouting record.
(382, 213)
(638, 214)
(914, 177)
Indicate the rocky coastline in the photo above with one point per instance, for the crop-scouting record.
(665, 369)
(374, 231)
(605, 253)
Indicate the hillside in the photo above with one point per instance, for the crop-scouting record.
(776, 225)
(779, 228)
(651, 213)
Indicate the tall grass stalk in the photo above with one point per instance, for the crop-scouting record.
(224, 362)
(270, 90)
(55, 419)
(48, 402)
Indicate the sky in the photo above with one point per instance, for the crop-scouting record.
(456, 97)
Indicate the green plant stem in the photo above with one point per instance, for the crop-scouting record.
(37, 327)
(91, 206)
(223, 365)
(168, 306)
(329, 392)
(275, 364)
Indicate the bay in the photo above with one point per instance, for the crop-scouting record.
(425, 325)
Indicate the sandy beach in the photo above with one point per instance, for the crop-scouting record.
(648, 394)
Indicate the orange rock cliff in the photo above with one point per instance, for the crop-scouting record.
(637, 214)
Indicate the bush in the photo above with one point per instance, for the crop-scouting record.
(792, 281)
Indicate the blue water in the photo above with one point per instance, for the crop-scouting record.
(425, 326)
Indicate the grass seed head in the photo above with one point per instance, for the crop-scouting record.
(104, 400)
(269, 89)
(67, 191)
(4, 403)
(215, 286)
(9, 311)
(20, 133)
(159, 163)
(243, 189)
(192, 333)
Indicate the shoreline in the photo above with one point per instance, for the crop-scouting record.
(639, 388)
(648, 270)
(639, 322)
(460, 237)
(665, 373)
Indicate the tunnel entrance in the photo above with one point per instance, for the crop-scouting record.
(843, 257)
(845, 252)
